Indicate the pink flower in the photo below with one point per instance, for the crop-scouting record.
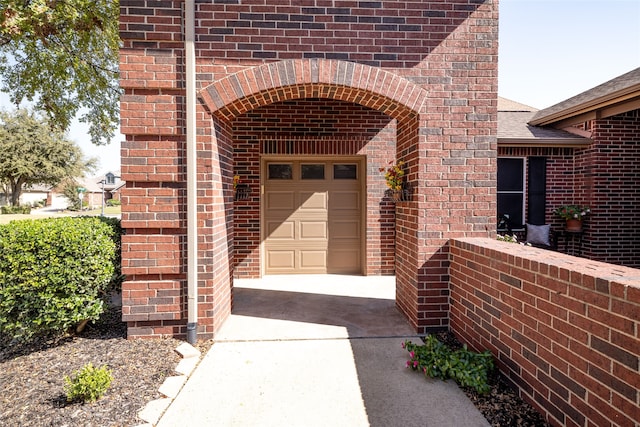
(408, 363)
(403, 345)
(415, 363)
(412, 354)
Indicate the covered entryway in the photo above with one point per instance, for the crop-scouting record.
(312, 215)
(320, 116)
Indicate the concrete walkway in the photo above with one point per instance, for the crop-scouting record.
(315, 351)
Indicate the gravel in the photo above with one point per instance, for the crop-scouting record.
(32, 380)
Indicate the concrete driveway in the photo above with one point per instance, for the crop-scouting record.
(318, 350)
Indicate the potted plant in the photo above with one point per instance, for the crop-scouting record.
(573, 214)
(394, 178)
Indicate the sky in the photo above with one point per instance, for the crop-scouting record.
(549, 50)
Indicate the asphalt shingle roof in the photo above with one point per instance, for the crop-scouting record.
(609, 89)
(513, 119)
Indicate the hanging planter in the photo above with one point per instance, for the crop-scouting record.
(394, 178)
(402, 195)
(574, 225)
(241, 192)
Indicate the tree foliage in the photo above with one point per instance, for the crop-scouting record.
(69, 189)
(62, 55)
(34, 154)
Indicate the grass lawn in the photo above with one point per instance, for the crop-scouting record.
(108, 210)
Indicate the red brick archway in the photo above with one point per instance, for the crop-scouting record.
(395, 96)
(314, 78)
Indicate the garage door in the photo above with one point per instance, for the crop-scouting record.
(312, 216)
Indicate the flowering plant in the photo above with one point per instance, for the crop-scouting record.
(393, 175)
(572, 211)
(236, 181)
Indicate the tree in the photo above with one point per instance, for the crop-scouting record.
(69, 189)
(33, 154)
(62, 55)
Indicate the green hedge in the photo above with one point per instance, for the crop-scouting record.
(54, 273)
(10, 210)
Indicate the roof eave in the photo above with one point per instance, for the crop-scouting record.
(606, 106)
(545, 142)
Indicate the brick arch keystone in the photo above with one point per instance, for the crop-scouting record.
(258, 86)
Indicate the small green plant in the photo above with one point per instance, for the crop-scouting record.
(436, 360)
(511, 238)
(87, 384)
(113, 202)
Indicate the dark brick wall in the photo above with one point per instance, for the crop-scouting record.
(609, 182)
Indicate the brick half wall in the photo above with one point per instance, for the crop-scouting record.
(564, 330)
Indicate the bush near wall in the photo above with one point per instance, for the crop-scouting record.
(54, 273)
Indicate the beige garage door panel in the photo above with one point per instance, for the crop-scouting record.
(313, 230)
(345, 261)
(312, 225)
(345, 200)
(313, 201)
(281, 260)
(281, 230)
(316, 260)
(280, 200)
(345, 229)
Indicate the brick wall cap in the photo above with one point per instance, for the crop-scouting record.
(626, 276)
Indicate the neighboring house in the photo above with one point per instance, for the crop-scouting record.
(35, 194)
(97, 187)
(585, 151)
(43, 194)
(304, 103)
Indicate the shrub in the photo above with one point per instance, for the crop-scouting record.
(88, 384)
(53, 273)
(115, 285)
(436, 360)
(12, 210)
(113, 202)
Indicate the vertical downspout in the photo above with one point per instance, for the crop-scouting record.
(192, 196)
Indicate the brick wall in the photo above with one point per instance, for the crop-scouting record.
(565, 331)
(431, 66)
(609, 173)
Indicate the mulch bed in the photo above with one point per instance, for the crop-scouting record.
(32, 380)
(32, 377)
